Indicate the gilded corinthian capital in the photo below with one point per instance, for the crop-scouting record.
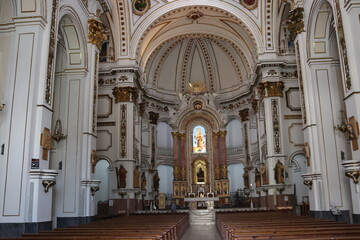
(96, 33)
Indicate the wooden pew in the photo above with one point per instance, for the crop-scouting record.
(276, 225)
(142, 227)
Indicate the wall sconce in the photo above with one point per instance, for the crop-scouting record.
(58, 136)
(345, 126)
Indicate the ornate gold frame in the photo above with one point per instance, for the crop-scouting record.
(249, 7)
(140, 13)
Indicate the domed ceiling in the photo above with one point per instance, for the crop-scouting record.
(197, 45)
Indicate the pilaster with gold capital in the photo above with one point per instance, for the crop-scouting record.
(222, 154)
(215, 141)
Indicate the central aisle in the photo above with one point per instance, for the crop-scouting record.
(201, 232)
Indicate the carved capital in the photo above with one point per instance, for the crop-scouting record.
(222, 133)
(255, 105)
(96, 33)
(153, 117)
(274, 89)
(244, 114)
(125, 94)
(295, 22)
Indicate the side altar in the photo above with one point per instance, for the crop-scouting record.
(199, 150)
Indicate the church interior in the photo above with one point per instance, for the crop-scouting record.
(154, 114)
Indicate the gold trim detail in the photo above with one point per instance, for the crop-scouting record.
(295, 23)
(123, 110)
(52, 48)
(96, 33)
(276, 125)
(125, 94)
(291, 117)
(271, 89)
(342, 45)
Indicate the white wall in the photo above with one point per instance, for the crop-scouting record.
(299, 169)
(102, 174)
(234, 133)
(235, 173)
(164, 138)
(166, 178)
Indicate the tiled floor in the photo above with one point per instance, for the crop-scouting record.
(201, 232)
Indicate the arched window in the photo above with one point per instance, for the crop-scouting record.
(199, 139)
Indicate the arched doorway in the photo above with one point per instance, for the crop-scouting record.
(102, 196)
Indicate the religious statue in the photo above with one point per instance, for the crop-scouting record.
(225, 188)
(257, 178)
(246, 179)
(279, 172)
(156, 182)
(200, 175)
(217, 172)
(122, 177)
(265, 179)
(199, 140)
(143, 181)
(218, 189)
(136, 177)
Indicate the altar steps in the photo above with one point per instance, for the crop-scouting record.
(202, 217)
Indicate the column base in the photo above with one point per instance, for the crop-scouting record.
(345, 217)
(63, 222)
(17, 229)
(356, 218)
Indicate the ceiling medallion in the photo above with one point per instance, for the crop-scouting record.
(140, 7)
(197, 105)
(194, 15)
(249, 4)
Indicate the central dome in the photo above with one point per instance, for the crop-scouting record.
(198, 59)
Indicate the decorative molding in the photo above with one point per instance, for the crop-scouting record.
(52, 49)
(295, 23)
(100, 136)
(106, 124)
(110, 106)
(194, 15)
(96, 33)
(342, 45)
(276, 125)
(123, 116)
(125, 94)
(288, 101)
(352, 170)
(301, 83)
(96, 74)
(292, 117)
